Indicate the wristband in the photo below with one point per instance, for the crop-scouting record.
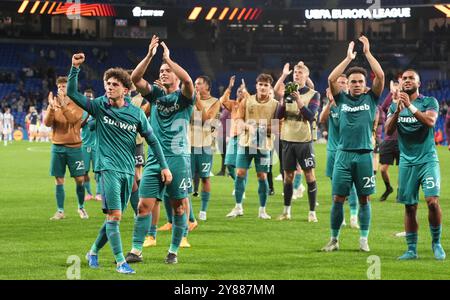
(413, 109)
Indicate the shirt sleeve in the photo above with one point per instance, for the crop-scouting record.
(73, 93)
(155, 93)
(392, 109)
(432, 105)
(146, 131)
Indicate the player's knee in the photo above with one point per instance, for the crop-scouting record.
(384, 168)
(114, 216)
(179, 210)
(433, 203)
(410, 209)
(338, 198)
(364, 200)
(289, 177)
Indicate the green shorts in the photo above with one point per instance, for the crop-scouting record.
(411, 177)
(180, 166)
(353, 167)
(62, 156)
(331, 155)
(88, 157)
(231, 155)
(201, 161)
(151, 185)
(245, 156)
(116, 190)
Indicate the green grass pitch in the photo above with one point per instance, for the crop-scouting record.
(33, 247)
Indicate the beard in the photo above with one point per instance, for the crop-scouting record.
(411, 91)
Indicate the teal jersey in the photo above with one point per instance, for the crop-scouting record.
(415, 139)
(170, 116)
(356, 117)
(333, 129)
(116, 130)
(88, 137)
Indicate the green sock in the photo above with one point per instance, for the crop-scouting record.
(99, 187)
(337, 216)
(101, 240)
(364, 216)
(80, 195)
(239, 188)
(152, 231)
(179, 224)
(191, 211)
(353, 201)
(436, 234)
(263, 191)
(113, 233)
(141, 226)
(205, 199)
(168, 208)
(134, 201)
(411, 241)
(232, 171)
(297, 180)
(87, 187)
(60, 195)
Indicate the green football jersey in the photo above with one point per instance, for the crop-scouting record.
(170, 116)
(415, 139)
(333, 129)
(356, 117)
(116, 130)
(88, 137)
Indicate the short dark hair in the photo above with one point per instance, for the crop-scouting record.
(61, 79)
(119, 74)
(206, 79)
(343, 75)
(411, 70)
(356, 70)
(264, 77)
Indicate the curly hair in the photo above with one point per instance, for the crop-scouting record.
(119, 74)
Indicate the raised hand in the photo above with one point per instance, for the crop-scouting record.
(78, 59)
(404, 98)
(231, 84)
(160, 85)
(363, 39)
(166, 53)
(350, 54)
(242, 83)
(51, 101)
(153, 47)
(330, 97)
(286, 71)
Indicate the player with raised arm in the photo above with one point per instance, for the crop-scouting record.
(353, 162)
(256, 113)
(118, 123)
(171, 111)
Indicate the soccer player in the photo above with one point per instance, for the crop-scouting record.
(298, 111)
(235, 130)
(256, 112)
(353, 162)
(170, 116)
(89, 145)
(389, 152)
(203, 122)
(330, 115)
(44, 131)
(117, 125)
(33, 119)
(414, 116)
(64, 117)
(8, 126)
